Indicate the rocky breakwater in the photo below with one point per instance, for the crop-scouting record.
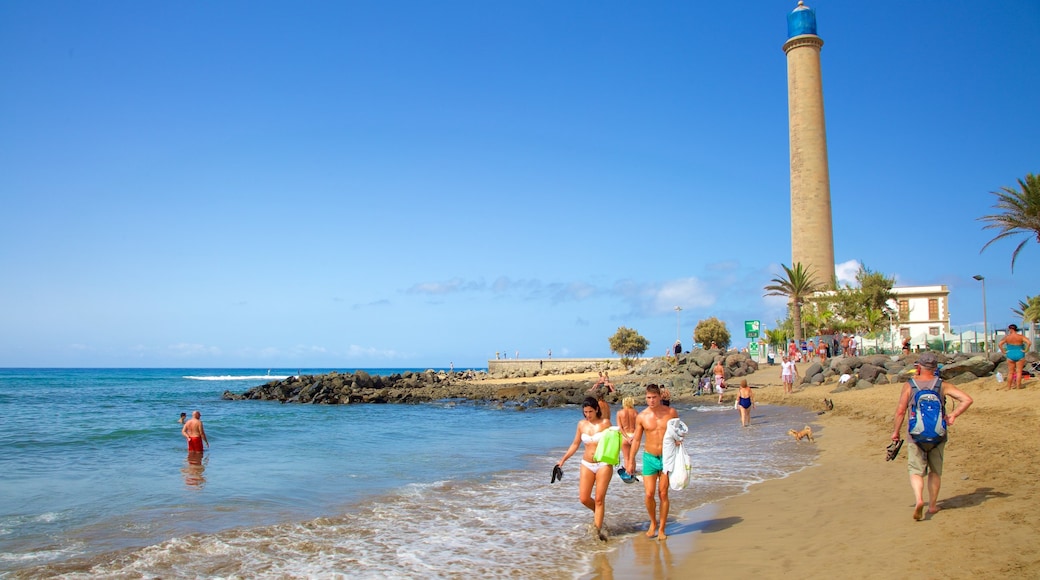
(683, 373)
(860, 372)
(360, 387)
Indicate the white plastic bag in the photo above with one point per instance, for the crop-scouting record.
(1000, 377)
(679, 478)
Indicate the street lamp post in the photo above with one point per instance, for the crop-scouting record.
(985, 320)
(678, 309)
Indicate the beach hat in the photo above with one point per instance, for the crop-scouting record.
(928, 360)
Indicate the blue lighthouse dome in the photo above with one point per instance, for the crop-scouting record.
(801, 21)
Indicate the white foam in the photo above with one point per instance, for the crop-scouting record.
(239, 378)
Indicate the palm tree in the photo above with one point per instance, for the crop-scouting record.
(797, 285)
(1028, 310)
(1020, 213)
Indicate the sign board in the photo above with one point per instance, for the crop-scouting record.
(751, 328)
(753, 350)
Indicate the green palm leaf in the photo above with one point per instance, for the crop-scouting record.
(1019, 214)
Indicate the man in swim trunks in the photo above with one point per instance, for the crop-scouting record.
(1014, 347)
(652, 421)
(195, 433)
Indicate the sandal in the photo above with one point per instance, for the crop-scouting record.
(893, 450)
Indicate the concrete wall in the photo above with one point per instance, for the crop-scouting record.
(557, 364)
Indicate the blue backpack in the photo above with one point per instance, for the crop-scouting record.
(927, 415)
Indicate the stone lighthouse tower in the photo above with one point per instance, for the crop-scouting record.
(812, 237)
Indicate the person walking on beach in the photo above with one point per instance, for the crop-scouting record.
(745, 400)
(195, 433)
(593, 474)
(1014, 346)
(927, 460)
(720, 379)
(653, 422)
(626, 420)
(788, 371)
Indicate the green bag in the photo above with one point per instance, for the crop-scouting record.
(609, 448)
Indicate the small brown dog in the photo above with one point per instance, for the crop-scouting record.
(804, 433)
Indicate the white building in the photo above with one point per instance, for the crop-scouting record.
(923, 314)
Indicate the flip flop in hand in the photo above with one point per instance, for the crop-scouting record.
(893, 450)
(557, 473)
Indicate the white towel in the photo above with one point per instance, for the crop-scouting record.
(675, 461)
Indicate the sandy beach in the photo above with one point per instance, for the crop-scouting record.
(850, 514)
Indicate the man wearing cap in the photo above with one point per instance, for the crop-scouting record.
(919, 461)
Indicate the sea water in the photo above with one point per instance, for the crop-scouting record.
(95, 481)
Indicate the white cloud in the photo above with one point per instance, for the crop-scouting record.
(685, 292)
(846, 272)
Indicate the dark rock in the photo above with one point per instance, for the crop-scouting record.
(869, 372)
(980, 366)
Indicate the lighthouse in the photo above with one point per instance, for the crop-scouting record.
(812, 235)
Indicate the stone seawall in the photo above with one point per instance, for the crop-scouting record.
(552, 364)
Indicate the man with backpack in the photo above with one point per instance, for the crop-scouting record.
(924, 398)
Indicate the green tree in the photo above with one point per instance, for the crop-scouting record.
(797, 284)
(712, 329)
(1028, 310)
(875, 289)
(778, 337)
(1019, 213)
(628, 343)
(864, 307)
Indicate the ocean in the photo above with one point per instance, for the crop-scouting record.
(95, 481)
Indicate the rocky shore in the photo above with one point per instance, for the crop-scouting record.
(681, 375)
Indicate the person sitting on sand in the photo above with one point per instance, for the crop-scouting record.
(921, 462)
(592, 474)
(653, 421)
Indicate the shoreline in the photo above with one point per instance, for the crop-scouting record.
(849, 513)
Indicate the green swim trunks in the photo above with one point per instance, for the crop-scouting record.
(652, 464)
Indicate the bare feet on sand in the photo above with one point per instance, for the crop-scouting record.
(934, 509)
(661, 536)
(652, 531)
(919, 511)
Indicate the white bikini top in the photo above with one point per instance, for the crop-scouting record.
(592, 438)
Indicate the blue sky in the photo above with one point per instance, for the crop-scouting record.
(408, 184)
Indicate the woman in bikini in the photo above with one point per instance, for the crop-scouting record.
(626, 420)
(745, 400)
(1014, 346)
(592, 474)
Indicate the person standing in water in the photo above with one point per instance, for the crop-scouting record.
(745, 400)
(1014, 347)
(593, 474)
(653, 421)
(195, 433)
(626, 420)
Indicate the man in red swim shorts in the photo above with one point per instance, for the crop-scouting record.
(195, 433)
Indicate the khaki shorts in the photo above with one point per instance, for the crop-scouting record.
(921, 463)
